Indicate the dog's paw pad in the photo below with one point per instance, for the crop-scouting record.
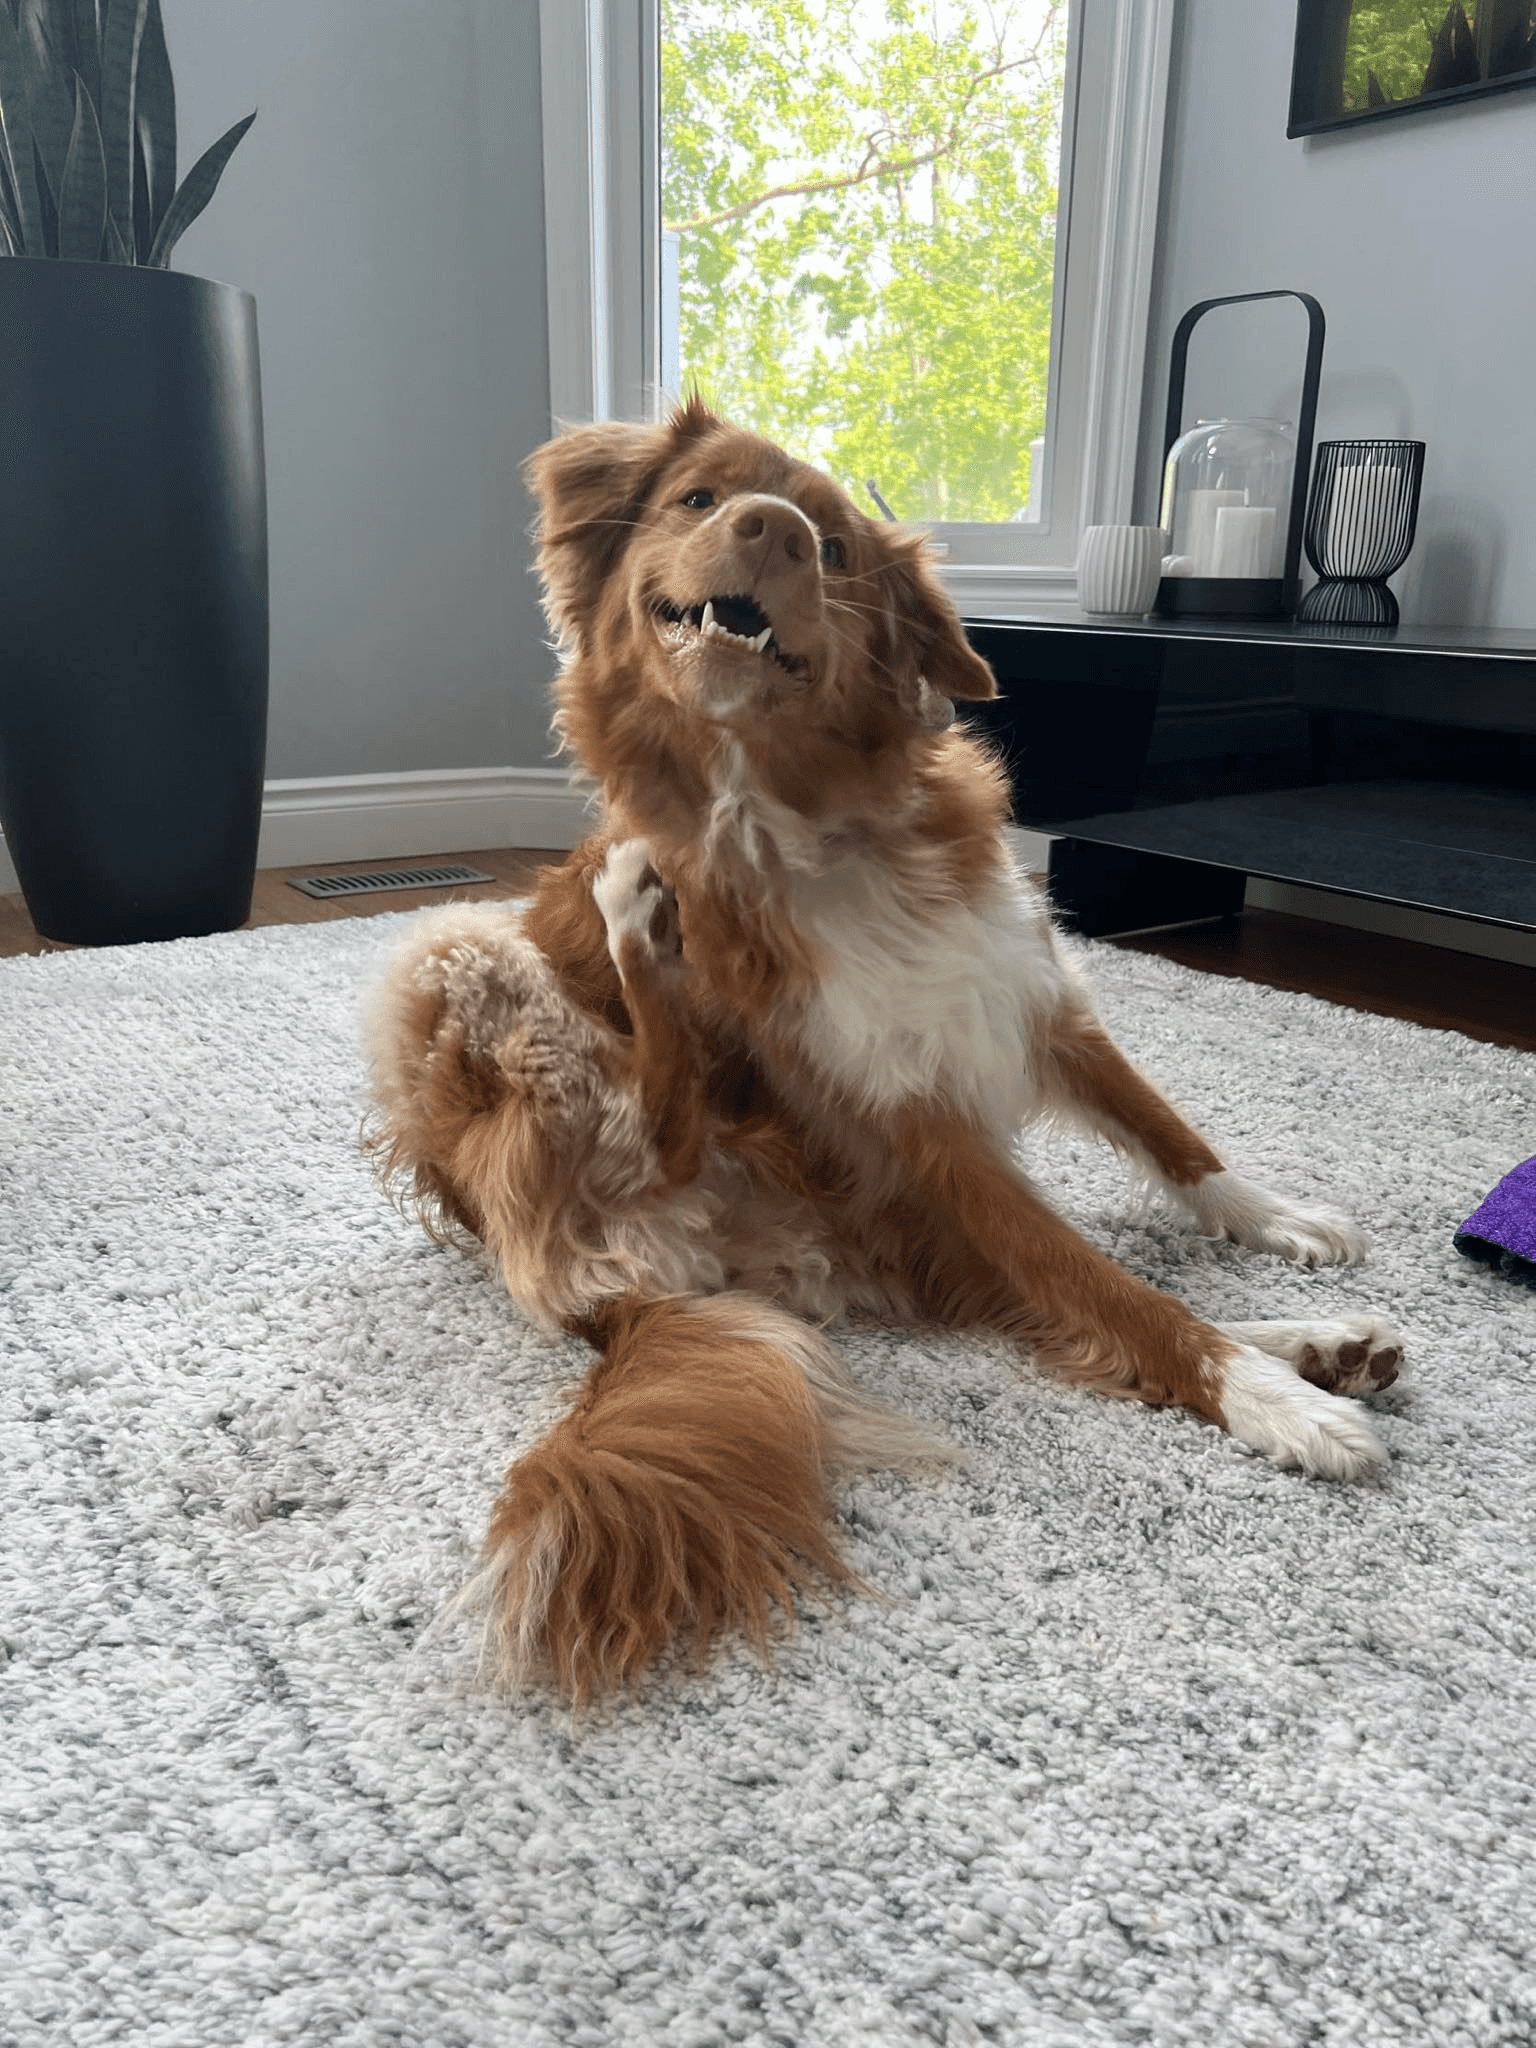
(1353, 1354)
(638, 908)
(1358, 1365)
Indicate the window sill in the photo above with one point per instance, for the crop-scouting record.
(987, 589)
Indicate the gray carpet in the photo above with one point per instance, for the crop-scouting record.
(1151, 1742)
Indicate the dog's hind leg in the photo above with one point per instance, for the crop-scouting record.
(561, 1140)
(1088, 1080)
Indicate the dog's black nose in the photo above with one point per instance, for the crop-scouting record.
(780, 523)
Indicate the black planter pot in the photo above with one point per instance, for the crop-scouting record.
(133, 599)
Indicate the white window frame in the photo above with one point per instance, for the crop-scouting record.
(601, 217)
(598, 64)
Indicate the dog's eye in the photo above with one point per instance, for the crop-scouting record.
(833, 554)
(699, 501)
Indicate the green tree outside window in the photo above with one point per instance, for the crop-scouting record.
(863, 199)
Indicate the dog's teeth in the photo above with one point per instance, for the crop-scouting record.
(715, 630)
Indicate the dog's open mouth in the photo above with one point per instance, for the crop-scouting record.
(736, 621)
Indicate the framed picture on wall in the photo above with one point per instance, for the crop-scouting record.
(1366, 60)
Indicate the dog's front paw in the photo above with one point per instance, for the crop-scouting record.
(639, 910)
(1226, 1205)
(1265, 1404)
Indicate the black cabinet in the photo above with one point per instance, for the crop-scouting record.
(1173, 759)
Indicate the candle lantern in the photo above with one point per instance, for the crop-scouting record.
(1360, 524)
(1234, 493)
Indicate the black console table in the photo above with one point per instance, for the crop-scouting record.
(1174, 758)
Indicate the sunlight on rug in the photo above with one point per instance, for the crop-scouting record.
(1151, 1743)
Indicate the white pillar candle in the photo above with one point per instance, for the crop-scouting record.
(1245, 540)
(1360, 491)
(1200, 545)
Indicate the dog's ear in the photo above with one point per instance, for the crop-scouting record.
(592, 484)
(922, 644)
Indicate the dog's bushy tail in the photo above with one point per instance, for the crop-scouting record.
(686, 1496)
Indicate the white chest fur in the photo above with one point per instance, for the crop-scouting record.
(916, 1004)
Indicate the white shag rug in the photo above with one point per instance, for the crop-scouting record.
(1152, 1743)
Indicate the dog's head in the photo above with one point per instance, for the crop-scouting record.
(697, 560)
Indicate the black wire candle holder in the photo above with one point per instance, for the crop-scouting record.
(1360, 524)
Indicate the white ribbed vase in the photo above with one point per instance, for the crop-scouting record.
(1119, 568)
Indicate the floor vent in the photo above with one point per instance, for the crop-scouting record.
(443, 877)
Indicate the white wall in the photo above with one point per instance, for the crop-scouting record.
(387, 211)
(1415, 234)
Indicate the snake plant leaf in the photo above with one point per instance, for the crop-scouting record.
(116, 248)
(122, 36)
(155, 116)
(10, 219)
(197, 188)
(87, 53)
(50, 102)
(83, 189)
(16, 139)
(47, 208)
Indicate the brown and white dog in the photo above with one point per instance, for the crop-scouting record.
(755, 1056)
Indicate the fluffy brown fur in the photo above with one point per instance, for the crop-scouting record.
(754, 1057)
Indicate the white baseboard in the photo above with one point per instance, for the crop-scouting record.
(442, 810)
(318, 820)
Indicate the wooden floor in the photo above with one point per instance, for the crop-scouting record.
(275, 901)
(1486, 999)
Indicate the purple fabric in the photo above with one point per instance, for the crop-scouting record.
(1506, 1222)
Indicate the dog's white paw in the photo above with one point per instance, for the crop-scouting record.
(1265, 1404)
(1226, 1205)
(1357, 1354)
(638, 908)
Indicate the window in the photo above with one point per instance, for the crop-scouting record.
(950, 301)
(858, 218)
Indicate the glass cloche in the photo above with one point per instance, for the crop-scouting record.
(1227, 488)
